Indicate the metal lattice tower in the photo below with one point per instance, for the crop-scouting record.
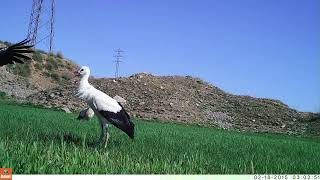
(118, 57)
(41, 24)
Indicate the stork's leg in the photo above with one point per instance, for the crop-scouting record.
(107, 138)
(103, 134)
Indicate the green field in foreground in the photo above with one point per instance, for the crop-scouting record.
(35, 140)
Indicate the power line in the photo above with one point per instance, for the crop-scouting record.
(41, 24)
(118, 57)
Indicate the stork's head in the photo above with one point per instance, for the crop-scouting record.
(84, 71)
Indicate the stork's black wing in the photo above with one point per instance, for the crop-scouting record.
(15, 53)
(121, 120)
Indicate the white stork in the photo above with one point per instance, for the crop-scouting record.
(108, 110)
(14, 53)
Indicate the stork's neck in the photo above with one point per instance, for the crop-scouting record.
(84, 87)
(84, 81)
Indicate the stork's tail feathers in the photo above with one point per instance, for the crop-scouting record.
(120, 120)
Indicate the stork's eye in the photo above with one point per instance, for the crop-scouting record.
(81, 70)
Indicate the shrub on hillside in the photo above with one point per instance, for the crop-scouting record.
(47, 74)
(56, 77)
(60, 62)
(49, 67)
(41, 51)
(66, 77)
(51, 63)
(20, 69)
(37, 56)
(51, 54)
(38, 66)
(59, 55)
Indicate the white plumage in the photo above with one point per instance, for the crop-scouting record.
(94, 96)
(108, 110)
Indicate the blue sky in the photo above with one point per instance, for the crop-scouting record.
(262, 48)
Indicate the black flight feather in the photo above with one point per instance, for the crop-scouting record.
(121, 120)
(14, 53)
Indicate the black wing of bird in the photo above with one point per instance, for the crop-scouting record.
(15, 53)
(121, 120)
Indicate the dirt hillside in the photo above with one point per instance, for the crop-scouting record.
(186, 100)
(48, 80)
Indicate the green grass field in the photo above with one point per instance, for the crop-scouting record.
(41, 141)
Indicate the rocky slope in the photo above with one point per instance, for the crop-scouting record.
(48, 81)
(42, 73)
(187, 100)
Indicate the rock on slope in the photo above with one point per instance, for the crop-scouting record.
(185, 99)
(14, 85)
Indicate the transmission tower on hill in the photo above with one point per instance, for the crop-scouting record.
(118, 57)
(41, 24)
